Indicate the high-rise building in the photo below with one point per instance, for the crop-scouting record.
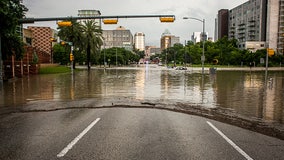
(152, 50)
(90, 13)
(168, 40)
(120, 37)
(139, 41)
(275, 25)
(247, 23)
(197, 37)
(223, 18)
(257, 24)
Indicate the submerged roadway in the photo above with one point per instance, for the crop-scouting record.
(128, 133)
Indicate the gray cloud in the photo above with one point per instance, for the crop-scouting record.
(152, 28)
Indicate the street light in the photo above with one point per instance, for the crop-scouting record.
(203, 38)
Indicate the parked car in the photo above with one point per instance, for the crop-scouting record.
(181, 68)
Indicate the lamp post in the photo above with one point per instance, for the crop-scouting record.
(203, 39)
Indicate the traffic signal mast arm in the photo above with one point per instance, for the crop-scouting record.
(32, 20)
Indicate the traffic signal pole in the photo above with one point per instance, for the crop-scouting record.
(107, 19)
(163, 18)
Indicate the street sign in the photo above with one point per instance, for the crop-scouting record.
(202, 58)
(261, 60)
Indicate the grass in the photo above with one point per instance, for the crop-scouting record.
(54, 69)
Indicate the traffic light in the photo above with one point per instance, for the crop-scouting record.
(53, 40)
(110, 21)
(167, 19)
(64, 24)
(63, 43)
(270, 52)
(71, 57)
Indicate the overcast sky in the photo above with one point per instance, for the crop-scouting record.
(153, 29)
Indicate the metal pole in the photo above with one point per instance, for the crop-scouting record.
(184, 53)
(104, 56)
(203, 57)
(203, 36)
(116, 57)
(72, 61)
(1, 63)
(266, 63)
(32, 20)
(51, 53)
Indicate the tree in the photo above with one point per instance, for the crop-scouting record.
(10, 12)
(92, 38)
(123, 56)
(226, 46)
(73, 34)
(61, 54)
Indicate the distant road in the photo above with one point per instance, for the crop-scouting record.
(223, 68)
(120, 133)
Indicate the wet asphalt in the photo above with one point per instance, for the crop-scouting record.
(128, 133)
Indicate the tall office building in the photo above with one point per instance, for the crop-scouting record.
(247, 24)
(168, 40)
(275, 25)
(90, 13)
(223, 18)
(257, 24)
(139, 41)
(120, 37)
(197, 37)
(152, 50)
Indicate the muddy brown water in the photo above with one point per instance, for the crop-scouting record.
(247, 93)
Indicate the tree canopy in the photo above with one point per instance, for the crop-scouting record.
(225, 51)
(10, 12)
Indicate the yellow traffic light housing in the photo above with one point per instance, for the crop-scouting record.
(270, 52)
(64, 24)
(53, 40)
(63, 43)
(71, 57)
(167, 19)
(110, 21)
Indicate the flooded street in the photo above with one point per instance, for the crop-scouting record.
(246, 93)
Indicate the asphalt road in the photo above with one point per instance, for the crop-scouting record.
(120, 133)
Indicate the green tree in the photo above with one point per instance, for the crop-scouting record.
(123, 56)
(10, 12)
(226, 46)
(92, 39)
(141, 54)
(61, 54)
(73, 34)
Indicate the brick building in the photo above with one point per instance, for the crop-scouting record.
(41, 38)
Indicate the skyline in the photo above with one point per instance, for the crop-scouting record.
(151, 27)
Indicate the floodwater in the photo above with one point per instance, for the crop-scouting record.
(248, 93)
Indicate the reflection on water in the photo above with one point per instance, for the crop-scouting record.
(247, 93)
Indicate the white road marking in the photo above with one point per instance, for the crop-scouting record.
(71, 144)
(230, 142)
